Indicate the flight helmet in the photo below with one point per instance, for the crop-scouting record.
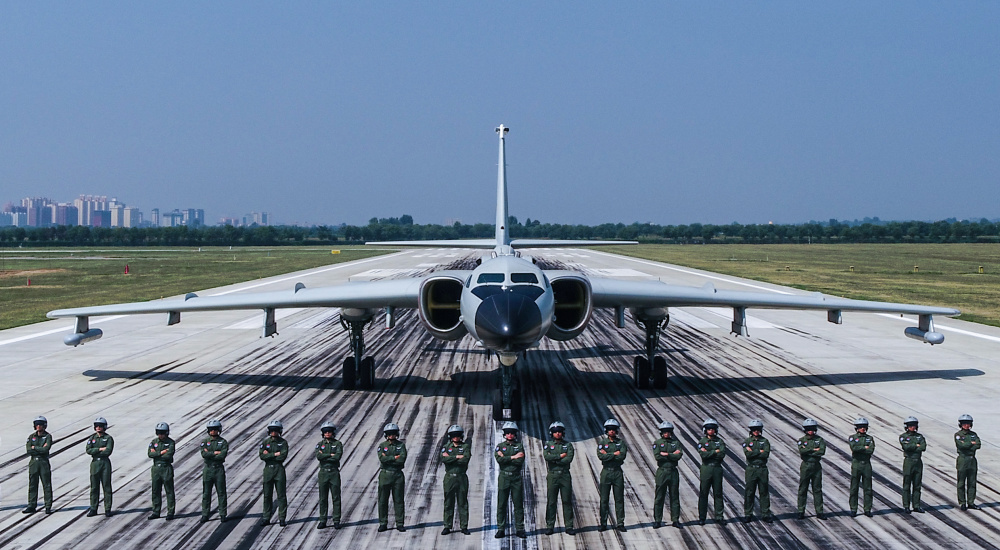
(510, 428)
(214, 425)
(666, 426)
(965, 419)
(810, 424)
(756, 424)
(861, 422)
(910, 421)
(455, 431)
(100, 421)
(709, 424)
(40, 421)
(612, 424)
(390, 429)
(275, 426)
(557, 426)
(162, 427)
(328, 427)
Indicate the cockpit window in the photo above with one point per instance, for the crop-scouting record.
(490, 278)
(523, 278)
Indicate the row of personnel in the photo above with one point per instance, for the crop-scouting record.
(510, 455)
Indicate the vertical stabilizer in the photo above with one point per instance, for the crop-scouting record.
(502, 236)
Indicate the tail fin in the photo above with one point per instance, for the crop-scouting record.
(502, 235)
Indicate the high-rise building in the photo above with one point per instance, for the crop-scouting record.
(156, 217)
(39, 212)
(131, 217)
(65, 214)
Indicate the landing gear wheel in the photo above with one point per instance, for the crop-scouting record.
(659, 373)
(515, 404)
(640, 368)
(350, 373)
(366, 373)
(498, 405)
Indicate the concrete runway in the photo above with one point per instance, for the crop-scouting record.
(214, 365)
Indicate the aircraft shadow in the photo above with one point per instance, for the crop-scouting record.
(690, 385)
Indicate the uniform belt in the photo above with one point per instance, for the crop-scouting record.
(272, 464)
(214, 464)
(39, 458)
(613, 467)
(862, 459)
(518, 472)
(329, 468)
(812, 460)
(454, 473)
(912, 455)
(96, 458)
(965, 453)
(162, 464)
(558, 469)
(761, 465)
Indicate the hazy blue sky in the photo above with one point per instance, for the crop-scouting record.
(671, 113)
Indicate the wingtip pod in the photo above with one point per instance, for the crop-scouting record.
(78, 338)
(928, 337)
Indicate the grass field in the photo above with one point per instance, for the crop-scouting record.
(947, 274)
(62, 277)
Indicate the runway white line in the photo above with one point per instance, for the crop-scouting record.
(318, 271)
(56, 330)
(943, 327)
(695, 273)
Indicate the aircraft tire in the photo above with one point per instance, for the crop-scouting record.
(350, 373)
(640, 366)
(515, 405)
(659, 373)
(366, 373)
(498, 405)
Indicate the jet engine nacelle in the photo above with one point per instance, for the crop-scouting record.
(573, 306)
(440, 307)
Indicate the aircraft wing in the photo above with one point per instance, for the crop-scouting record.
(491, 243)
(618, 293)
(363, 295)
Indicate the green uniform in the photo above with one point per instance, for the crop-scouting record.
(274, 451)
(510, 486)
(38, 447)
(913, 445)
(559, 481)
(391, 482)
(667, 477)
(713, 452)
(757, 450)
(612, 477)
(213, 474)
(456, 482)
(162, 472)
(862, 447)
(100, 469)
(328, 453)
(967, 443)
(811, 449)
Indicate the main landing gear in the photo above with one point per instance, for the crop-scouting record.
(359, 371)
(650, 371)
(507, 396)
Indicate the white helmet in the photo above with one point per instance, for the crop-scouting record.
(275, 426)
(100, 421)
(666, 426)
(510, 427)
(390, 428)
(612, 424)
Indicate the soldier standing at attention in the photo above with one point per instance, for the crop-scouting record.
(712, 449)
(913, 445)
(558, 454)
(812, 447)
(161, 450)
(99, 447)
(392, 457)
(668, 451)
(862, 447)
(38, 446)
(510, 486)
(612, 450)
(274, 451)
(967, 443)
(455, 456)
(328, 453)
(213, 474)
(757, 449)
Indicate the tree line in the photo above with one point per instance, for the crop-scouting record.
(403, 228)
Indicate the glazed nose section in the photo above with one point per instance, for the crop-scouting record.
(508, 321)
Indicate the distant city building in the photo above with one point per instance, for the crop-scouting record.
(155, 217)
(100, 218)
(6, 219)
(131, 217)
(39, 212)
(65, 214)
(256, 218)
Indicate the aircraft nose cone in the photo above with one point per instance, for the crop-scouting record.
(508, 321)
